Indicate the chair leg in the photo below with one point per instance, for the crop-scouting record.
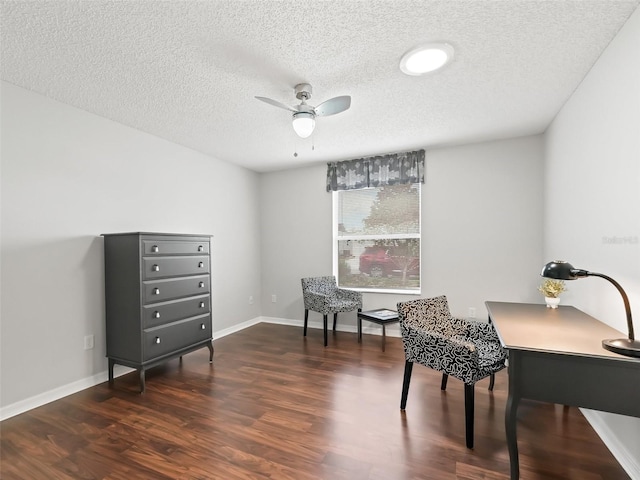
(306, 318)
(492, 381)
(443, 384)
(408, 368)
(468, 413)
(324, 319)
(335, 320)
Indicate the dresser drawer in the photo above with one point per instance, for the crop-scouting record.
(161, 267)
(162, 313)
(160, 290)
(178, 247)
(163, 340)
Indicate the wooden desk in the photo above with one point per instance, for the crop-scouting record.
(556, 356)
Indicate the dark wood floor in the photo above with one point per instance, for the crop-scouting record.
(275, 405)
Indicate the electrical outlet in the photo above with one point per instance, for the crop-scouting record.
(88, 342)
(274, 299)
(472, 312)
(251, 300)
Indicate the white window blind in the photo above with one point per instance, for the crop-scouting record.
(377, 238)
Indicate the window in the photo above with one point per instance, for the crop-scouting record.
(377, 238)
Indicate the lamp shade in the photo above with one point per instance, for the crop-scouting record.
(304, 123)
(561, 270)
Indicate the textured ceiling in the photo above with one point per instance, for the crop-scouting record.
(188, 71)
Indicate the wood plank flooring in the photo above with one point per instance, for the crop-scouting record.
(277, 406)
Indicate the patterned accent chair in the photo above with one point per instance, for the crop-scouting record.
(468, 350)
(322, 295)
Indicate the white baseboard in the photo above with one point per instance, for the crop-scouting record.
(59, 392)
(627, 459)
(236, 328)
(367, 327)
(84, 383)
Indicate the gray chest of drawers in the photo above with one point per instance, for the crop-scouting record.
(158, 298)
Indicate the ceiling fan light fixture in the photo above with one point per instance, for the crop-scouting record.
(426, 58)
(304, 123)
(304, 115)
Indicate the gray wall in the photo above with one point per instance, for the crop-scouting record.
(592, 203)
(481, 229)
(67, 177)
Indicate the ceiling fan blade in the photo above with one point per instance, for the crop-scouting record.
(275, 103)
(333, 106)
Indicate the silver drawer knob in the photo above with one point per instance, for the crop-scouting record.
(200, 248)
(156, 314)
(201, 285)
(157, 340)
(156, 291)
(200, 264)
(156, 268)
(155, 249)
(201, 304)
(202, 326)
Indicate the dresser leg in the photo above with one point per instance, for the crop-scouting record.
(111, 364)
(141, 373)
(210, 347)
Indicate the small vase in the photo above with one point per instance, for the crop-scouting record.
(552, 302)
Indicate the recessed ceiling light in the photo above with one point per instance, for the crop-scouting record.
(426, 58)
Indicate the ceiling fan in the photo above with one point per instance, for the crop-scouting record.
(304, 116)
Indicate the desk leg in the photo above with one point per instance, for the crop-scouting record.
(512, 441)
(359, 330)
(510, 418)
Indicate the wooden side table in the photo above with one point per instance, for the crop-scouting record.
(381, 316)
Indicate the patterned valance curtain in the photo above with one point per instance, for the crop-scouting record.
(406, 167)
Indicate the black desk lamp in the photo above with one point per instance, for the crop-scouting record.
(561, 270)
